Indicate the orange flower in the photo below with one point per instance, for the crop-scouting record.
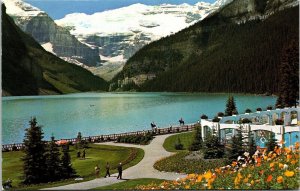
(258, 164)
(190, 176)
(289, 173)
(288, 157)
(245, 180)
(269, 179)
(287, 150)
(297, 145)
(199, 178)
(258, 160)
(218, 170)
(272, 164)
(234, 164)
(279, 179)
(293, 162)
(265, 157)
(261, 172)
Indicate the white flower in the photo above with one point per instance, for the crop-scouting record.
(244, 165)
(246, 154)
(285, 166)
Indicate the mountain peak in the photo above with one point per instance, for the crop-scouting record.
(20, 8)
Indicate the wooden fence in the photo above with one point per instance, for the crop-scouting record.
(113, 137)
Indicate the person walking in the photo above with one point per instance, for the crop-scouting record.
(83, 154)
(120, 171)
(107, 170)
(97, 171)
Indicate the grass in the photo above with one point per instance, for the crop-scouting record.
(12, 166)
(185, 138)
(178, 163)
(130, 184)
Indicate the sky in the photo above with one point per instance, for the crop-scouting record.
(57, 9)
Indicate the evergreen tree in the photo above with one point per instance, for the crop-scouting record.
(53, 161)
(271, 143)
(197, 142)
(34, 158)
(66, 167)
(230, 107)
(289, 70)
(236, 149)
(251, 144)
(279, 102)
(212, 147)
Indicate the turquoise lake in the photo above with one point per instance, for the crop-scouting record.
(107, 113)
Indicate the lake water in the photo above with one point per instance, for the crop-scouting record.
(106, 113)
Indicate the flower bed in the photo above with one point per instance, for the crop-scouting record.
(178, 163)
(278, 169)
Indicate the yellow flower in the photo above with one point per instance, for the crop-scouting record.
(208, 175)
(245, 180)
(289, 173)
(279, 179)
(187, 187)
(272, 164)
(280, 165)
(252, 182)
(265, 157)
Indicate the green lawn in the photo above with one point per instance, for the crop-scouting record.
(130, 184)
(185, 138)
(96, 154)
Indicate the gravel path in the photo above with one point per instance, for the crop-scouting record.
(144, 169)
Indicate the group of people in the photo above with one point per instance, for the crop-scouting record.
(107, 167)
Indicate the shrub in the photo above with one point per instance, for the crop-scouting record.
(269, 107)
(220, 114)
(135, 139)
(178, 145)
(258, 109)
(216, 119)
(279, 122)
(248, 110)
(246, 120)
(204, 116)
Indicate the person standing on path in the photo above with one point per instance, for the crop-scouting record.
(120, 171)
(97, 171)
(107, 170)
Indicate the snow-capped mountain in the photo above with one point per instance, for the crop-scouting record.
(53, 38)
(119, 33)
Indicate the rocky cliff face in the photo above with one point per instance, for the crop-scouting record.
(53, 38)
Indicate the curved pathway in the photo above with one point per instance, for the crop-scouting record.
(144, 169)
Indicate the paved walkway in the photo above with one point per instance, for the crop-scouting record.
(144, 169)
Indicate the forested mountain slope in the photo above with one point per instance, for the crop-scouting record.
(27, 69)
(236, 49)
